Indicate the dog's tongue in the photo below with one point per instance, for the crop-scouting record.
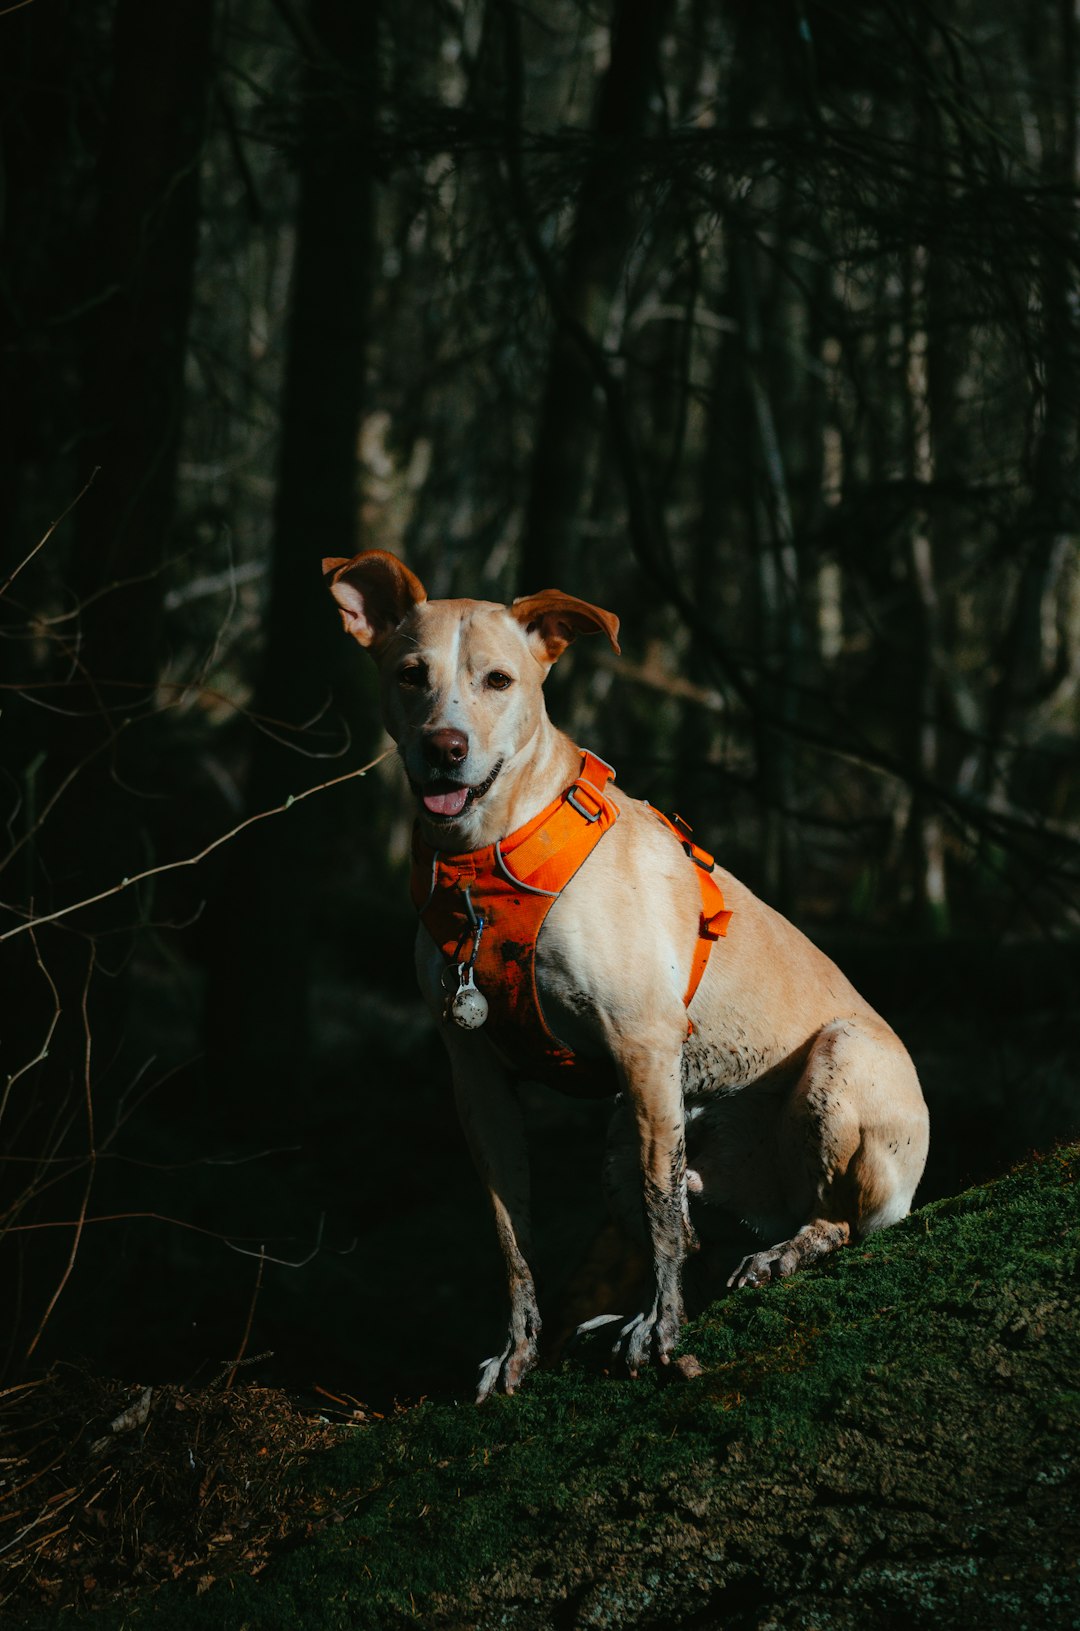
(446, 804)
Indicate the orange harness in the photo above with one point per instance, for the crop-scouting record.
(485, 909)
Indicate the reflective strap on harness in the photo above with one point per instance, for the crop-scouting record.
(715, 916)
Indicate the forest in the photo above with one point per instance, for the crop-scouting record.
(758, 324)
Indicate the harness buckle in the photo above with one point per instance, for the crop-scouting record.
(699, 856)
(574, 801)
(573, 798)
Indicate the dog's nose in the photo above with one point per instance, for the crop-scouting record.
(445, 748)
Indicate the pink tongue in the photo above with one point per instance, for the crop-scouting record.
(451, 803)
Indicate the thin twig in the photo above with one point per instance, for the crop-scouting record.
(192, 860)
(91, 1157)
(251, 1315)
(293, 1263)
(90, 479)
(62, 787)
(43, 1051)
(128, 1217)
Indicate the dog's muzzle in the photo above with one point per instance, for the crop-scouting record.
(447, 801)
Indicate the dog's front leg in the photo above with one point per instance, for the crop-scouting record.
(652, 1072)
(493, 1124)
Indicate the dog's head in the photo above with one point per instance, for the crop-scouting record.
(461, 680)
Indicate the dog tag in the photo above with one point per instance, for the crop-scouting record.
(468, 1007)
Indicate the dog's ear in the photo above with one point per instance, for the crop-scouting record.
(374, 591)
(552, 619)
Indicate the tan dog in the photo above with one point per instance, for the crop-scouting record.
(802, 1109)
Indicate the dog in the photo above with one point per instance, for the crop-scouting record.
(570, 933)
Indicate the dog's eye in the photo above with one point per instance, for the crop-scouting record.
(498, 681)
(413, 677)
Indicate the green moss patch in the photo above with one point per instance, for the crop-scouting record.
(889, 1438)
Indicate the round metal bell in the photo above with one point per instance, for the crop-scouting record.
(469, 1008)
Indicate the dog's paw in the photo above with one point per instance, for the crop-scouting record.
(505, 1372)
(813, 1241)
(647, 1339)
(762, 1267)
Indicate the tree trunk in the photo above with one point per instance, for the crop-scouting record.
(603, 223)
(146, 235)
(141, 277)
(1038, 661)
(145, 242)
(258, 1022)
(926, 830)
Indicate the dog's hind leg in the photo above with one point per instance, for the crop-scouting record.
(852, 1141)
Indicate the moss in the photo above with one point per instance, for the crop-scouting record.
(861, 1442)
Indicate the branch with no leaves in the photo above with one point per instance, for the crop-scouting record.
(6, 585)
(91, 1164)
(244, 1340)
(191, 860)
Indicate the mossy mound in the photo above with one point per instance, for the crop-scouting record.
(889, 1439)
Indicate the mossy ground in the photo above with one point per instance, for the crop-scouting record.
(888, 1439)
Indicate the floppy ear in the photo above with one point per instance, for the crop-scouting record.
(374, 591)
(552, 619)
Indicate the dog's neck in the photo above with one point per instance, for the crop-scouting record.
(529, 780)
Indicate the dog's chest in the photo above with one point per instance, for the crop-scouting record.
(567, 993)
(540, 1019)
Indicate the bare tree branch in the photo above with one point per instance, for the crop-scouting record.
(191, 860)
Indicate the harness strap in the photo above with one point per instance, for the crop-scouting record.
(512, 886)
(715, 916)
(543, 853)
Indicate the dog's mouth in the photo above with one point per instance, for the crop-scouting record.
(446, 801)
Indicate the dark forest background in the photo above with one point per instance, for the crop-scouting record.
(759, 324)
